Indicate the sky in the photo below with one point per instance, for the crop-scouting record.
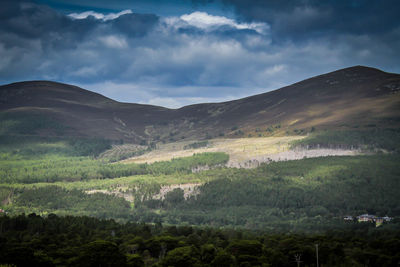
(179, 52)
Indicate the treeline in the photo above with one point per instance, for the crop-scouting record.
(367, 139)
(82, 241)
(16, 169)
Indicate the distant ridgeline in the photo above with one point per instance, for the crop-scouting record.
(360, 104)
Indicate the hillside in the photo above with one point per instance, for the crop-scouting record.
(355, 97)
(76, 111)
(258, 169)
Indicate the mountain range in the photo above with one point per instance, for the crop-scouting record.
(355, 97)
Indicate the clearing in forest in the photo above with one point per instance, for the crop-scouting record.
(243, 152)
(238, 149)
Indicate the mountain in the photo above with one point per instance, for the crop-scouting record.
(354, 97)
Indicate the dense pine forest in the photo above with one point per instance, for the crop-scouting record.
(33, 240)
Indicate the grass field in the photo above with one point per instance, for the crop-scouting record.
(243, 152)
(239, 149)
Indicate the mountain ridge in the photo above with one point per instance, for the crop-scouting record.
(355, 95)
(86, 91)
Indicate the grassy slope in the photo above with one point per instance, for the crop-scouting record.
(239, 149)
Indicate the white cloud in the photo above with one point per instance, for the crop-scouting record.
(100, 16)
(206, 21)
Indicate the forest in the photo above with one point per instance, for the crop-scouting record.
(56, 164)
(264, 216)
(309, 195)
(32, 240)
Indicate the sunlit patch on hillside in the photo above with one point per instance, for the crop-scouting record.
(243, 152)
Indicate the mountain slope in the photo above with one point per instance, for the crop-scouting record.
(357, 95)
(83, 113)
(352, 97)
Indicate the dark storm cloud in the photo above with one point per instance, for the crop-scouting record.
(193, 57)
(39, 42)
(29, 20)
(134, 25)
(43, 43)
(307, 18)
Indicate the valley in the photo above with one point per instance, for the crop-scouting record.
(246, 163)
(296, 161)
(199, 133)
